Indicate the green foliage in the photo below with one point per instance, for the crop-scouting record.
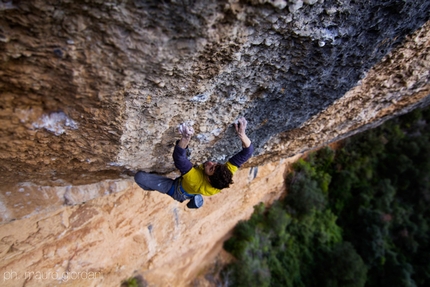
(341, 267)
(136, 281)
(273, 247)
(279, 246)
(307, 188)
(379, 191)
(354, 216)
(130, 282)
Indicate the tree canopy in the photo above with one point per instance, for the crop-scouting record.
(354, 216)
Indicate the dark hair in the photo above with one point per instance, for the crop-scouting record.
(222, 177)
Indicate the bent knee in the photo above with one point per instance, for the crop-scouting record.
(139, 176)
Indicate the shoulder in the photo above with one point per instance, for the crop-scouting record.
(194, 173)
(196, 183)
(231, 167)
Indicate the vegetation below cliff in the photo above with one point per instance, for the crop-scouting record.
(354, 216)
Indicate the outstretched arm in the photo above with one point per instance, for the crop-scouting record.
(241, 132)
(247, 147)
(187, 133)
(179, 153)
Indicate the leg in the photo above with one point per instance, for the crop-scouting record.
(149, 181)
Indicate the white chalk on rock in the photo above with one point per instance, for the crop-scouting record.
(186, 128)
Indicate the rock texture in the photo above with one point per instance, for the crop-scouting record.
(130, 232)
(396, 85)
(92, 89)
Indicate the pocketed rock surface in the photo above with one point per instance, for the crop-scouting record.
(91, 88)
(92, 91)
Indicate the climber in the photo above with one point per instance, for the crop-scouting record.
(206, 179)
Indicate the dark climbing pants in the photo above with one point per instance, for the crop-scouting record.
(150, 181)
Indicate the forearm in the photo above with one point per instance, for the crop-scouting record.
(246, 142)
(183, 143)
(240, 127)
(186, 132)
(180, 154)
(180, 158)
(242, 156)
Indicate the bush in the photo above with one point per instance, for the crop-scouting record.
(342, 267)
(306, 187)
(352, 217)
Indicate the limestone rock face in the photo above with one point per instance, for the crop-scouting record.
(92, 89)
(130, 232)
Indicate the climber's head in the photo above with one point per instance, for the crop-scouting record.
(218, 175)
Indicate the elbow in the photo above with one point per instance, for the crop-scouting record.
(251, 147)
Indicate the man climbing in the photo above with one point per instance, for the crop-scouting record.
(206, 179)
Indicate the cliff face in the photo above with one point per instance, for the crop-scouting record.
(89, 86)
(130, 232)
(90, 89)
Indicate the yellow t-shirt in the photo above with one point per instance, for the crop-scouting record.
(195, 182)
